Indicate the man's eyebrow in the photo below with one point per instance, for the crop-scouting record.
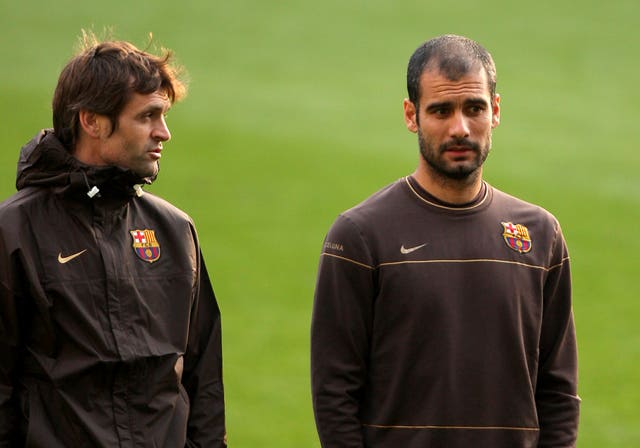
(448, 104)
(155, 108)
(477, 101)
(439, 105)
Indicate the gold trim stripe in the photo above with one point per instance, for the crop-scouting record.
(507, 428)
(349, 260)
(476, 260)
(484, 198)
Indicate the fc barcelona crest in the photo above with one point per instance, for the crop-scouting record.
(517, 237)
(145, 244)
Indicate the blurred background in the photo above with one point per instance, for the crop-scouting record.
(295, 113)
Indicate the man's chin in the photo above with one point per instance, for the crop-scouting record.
(461, 175)
(458, 172)
(148, 172)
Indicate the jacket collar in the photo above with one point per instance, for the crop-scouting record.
(46, 162)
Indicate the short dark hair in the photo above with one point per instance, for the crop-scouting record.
(454, 56)
(103, 76)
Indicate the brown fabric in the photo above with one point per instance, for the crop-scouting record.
(103, 344)
(462, 340)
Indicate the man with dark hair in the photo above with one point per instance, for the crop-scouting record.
(109, 327)
(442, 315)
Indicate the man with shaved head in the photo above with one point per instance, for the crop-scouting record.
(442, 313)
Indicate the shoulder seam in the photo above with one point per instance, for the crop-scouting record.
(550, 268)
(484, 428)
(472, 260)
(362, 238)
(323, 254)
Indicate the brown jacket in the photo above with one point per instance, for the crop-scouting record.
(109, 327)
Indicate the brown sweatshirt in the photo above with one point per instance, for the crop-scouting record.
(439, 326)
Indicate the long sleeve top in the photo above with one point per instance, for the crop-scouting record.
(441, 326)
(109, 327)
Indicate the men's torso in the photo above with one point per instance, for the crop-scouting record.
(456, 316)
(107, 287)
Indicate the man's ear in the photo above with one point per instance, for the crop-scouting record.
(495, 109)
(410, 117)
(91, 123)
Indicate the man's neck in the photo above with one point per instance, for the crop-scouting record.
(452, 191)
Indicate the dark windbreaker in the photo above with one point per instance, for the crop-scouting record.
(109, 327)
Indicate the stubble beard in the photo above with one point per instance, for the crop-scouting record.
(151, 172)
(461, 172)
(145, 168)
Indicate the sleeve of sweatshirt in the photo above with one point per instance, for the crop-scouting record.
(340, 334)
(557, 400)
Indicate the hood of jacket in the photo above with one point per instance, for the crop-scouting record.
(45, 162)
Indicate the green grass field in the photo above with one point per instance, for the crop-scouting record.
(295, 114)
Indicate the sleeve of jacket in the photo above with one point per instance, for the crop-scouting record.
(340, 334)
(202, 377)
(9, 342)
(557, 400)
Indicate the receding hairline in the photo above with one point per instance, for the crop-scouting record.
(454, 57)
(472, 71)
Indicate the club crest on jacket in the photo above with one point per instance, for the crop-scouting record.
(145, 244)
(517, 237)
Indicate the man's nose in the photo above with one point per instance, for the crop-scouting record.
(161, 131)
(459, 126)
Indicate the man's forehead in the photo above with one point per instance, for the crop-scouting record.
(434, 82)
(156, 99)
